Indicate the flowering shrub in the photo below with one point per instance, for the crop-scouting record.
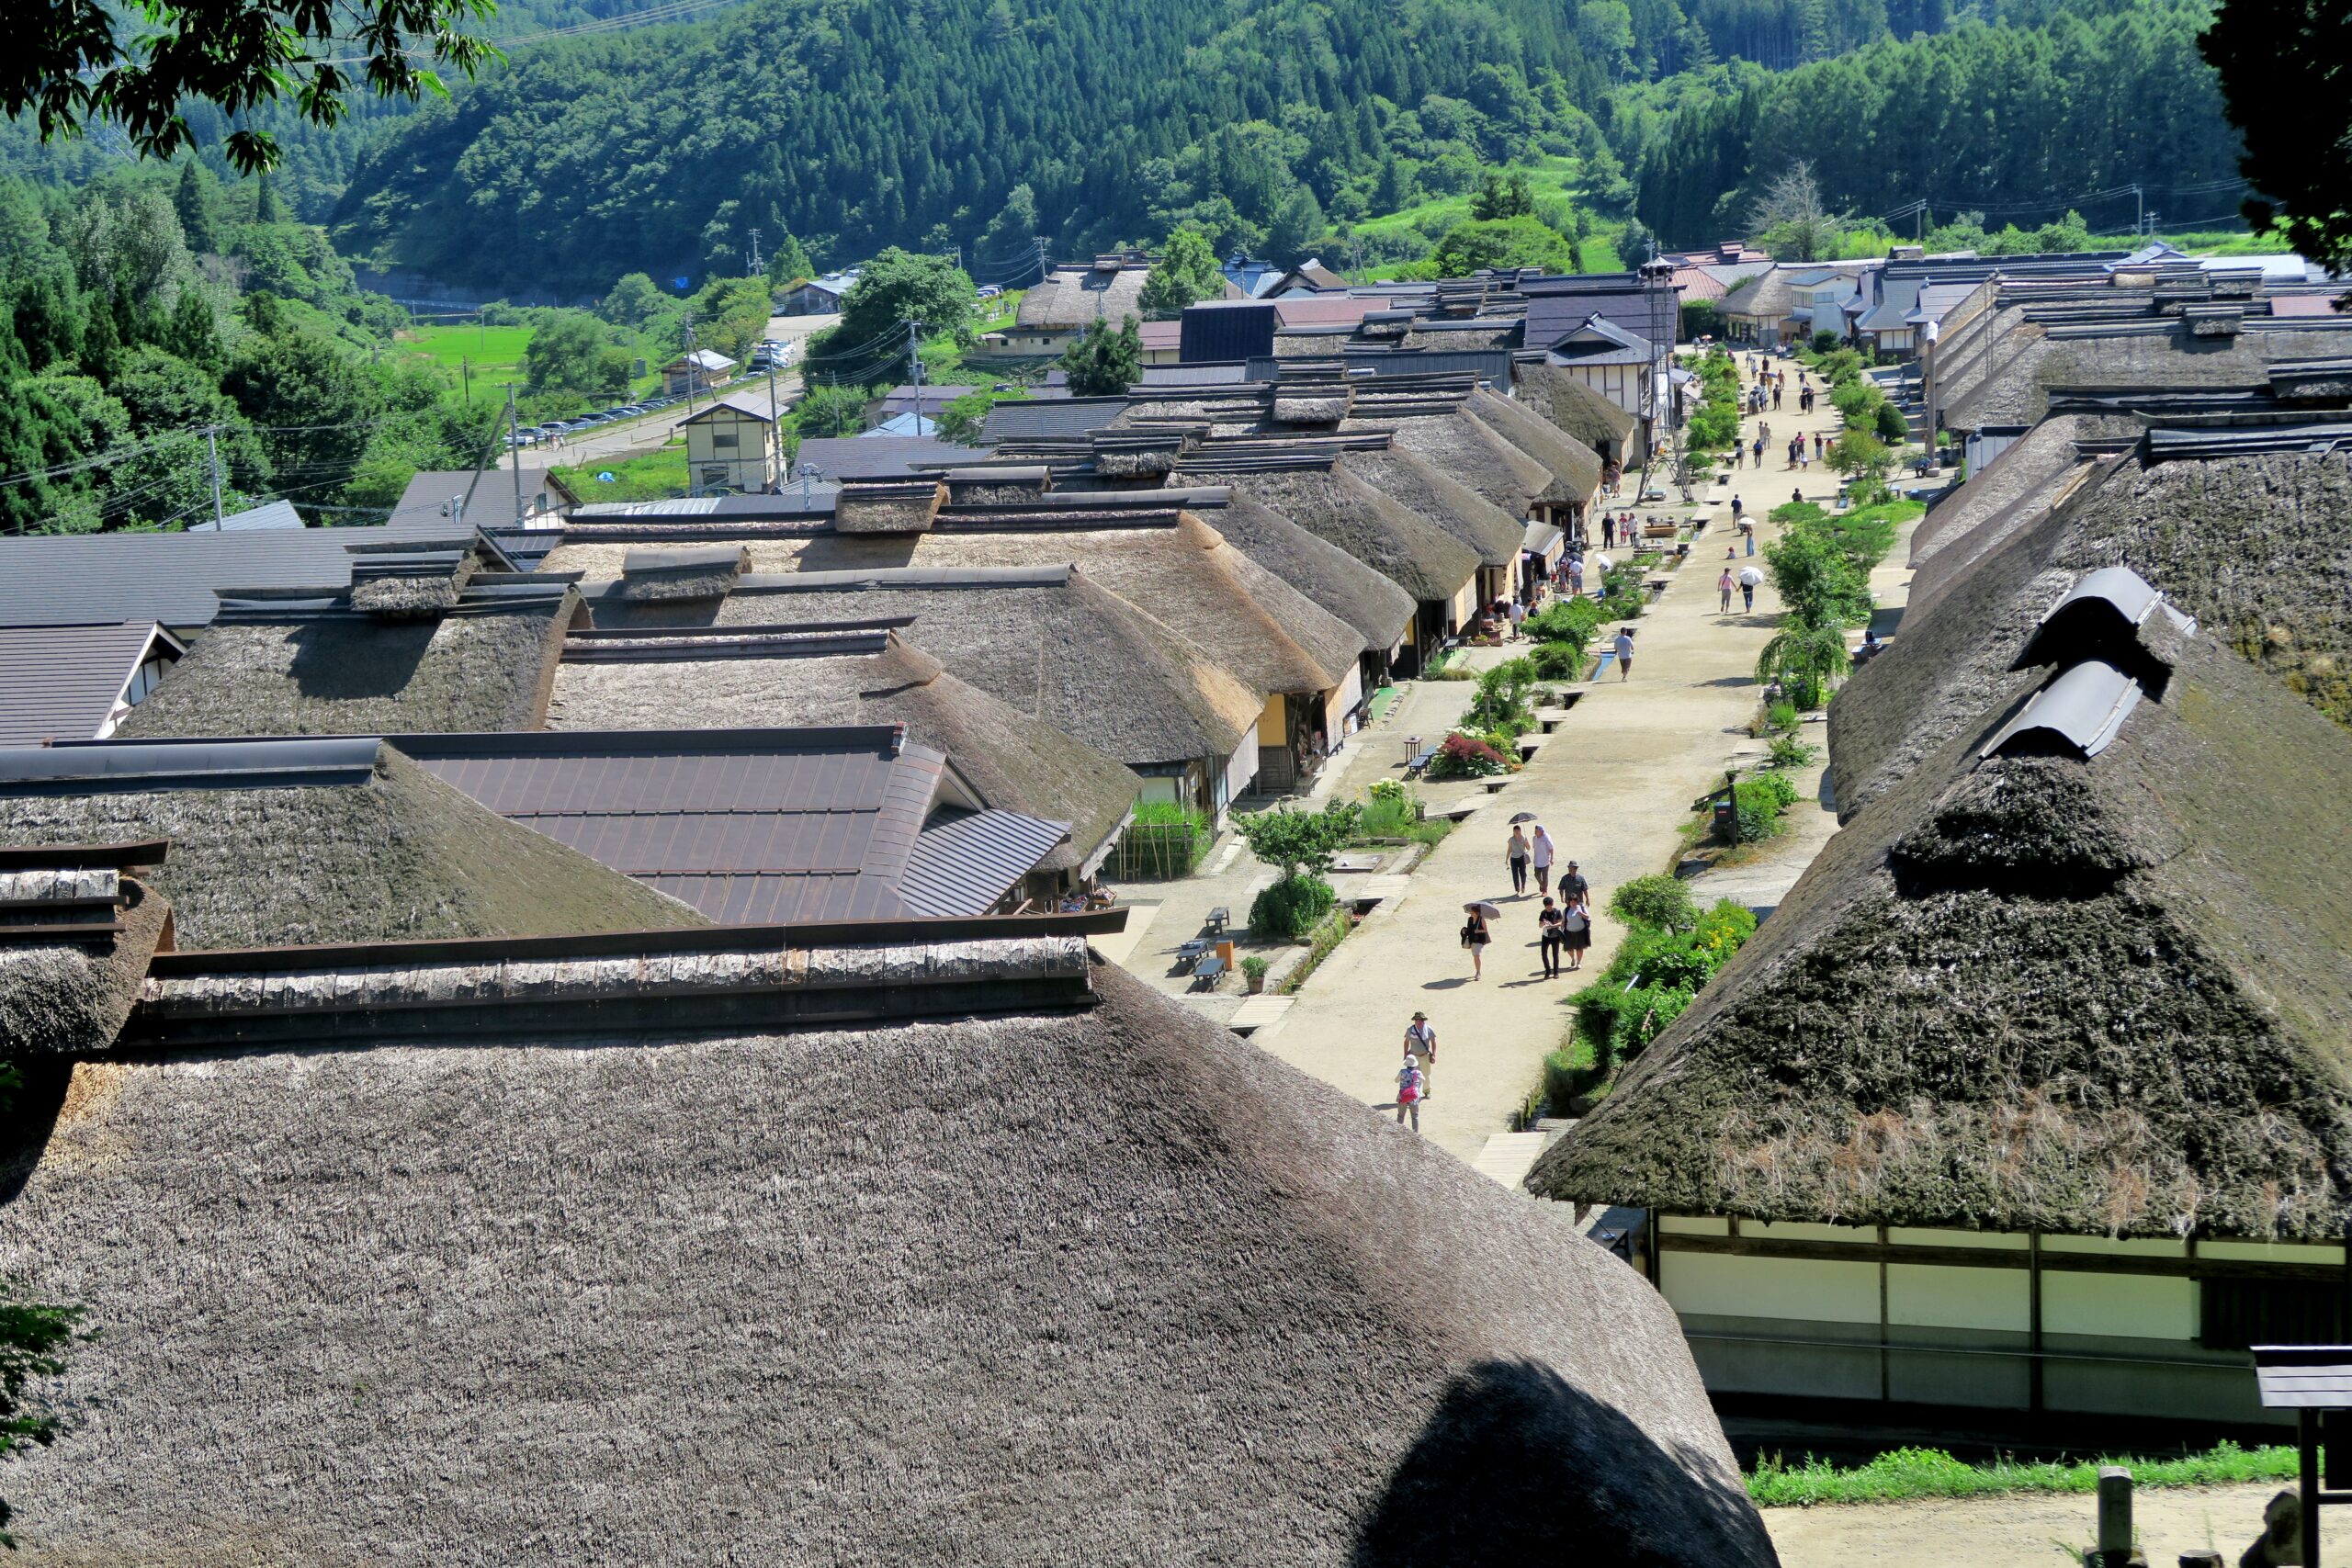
(1465, 757)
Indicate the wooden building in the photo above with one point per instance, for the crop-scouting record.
(733, 445)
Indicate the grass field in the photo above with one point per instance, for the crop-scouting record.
(1931, 1472)
(1550, 179)
(493, 354)
(656, 476)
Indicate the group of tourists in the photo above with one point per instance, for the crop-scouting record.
(1616, 526)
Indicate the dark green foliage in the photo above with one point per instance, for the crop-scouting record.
(830, 412)
(1502, 242)
(2094, 97)
(1290, 908)
(870, 346)
(1656, 900)
(1757, 803)
(1502, 195)
(1164, 840)
(1569, 621)
(1186, 273)
(2281, 74)
(1559, 660)
(571, 351)
(1102, 362)
(1504, 702)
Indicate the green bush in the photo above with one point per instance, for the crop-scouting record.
(1782, 717)
(1503, 707)
(1892, 428)
(1724, 929)
(1288, 910)
(1759, 801)
(1774, 787)
(1163, 841)
(1468, 757)
(1558, 661)
(1646, 1011)
(1564, 620)
(1655, 901)
(1825, 342)
(1664, 958)
(1795, 512)
(1788, 751)
(1253, 969)
(1328, 934)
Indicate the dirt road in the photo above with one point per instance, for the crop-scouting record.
(2022, 1531)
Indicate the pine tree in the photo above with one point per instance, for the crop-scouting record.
(195, 198)
(267, 207)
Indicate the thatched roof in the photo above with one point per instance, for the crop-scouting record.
(1088, 1284)
(1575, 467)
(1421, 472)
(1073, 298)
(76, 932)
(1019, 762)
(350, 842)
(2028, 359)
(2030, 992)
(269, 667)
(1380, 611)
(2251, 546)
(1575, 408)
(1053, 643)
(1336, 505)
(1264, 632)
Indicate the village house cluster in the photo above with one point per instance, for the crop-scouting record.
(552, 1027)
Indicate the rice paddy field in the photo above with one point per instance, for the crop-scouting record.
(488, 357)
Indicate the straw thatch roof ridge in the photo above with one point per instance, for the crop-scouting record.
(926, 1263)
(1336, 505)
(1018, 762)
(400, 855)
(2035, 994)
(1068, 651)
(1575, 467)
(1575, 407)
(75, 994)
(1358, 594)
(342, 674)
(1408, 474)
(2250, 545)
(1263, 631)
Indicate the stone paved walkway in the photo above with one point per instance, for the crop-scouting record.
(1614, 785)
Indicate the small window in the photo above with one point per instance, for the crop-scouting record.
(2241, 1314)
(723, 438)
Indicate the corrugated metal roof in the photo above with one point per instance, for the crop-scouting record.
(61, 683)
(965, 860)
(748, 826)
(1029, 418)
(78, 579)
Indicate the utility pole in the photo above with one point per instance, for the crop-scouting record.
(2139, 211)
(755, 250)
(1044, 271)
(693, 370)
(914, 358)
(514, 445)
(212, 464)
(466, 372)
(776, 426)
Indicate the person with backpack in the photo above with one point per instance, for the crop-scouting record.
(1408, 1094)
(1421, 1049)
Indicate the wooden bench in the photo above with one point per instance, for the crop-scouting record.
(1208, 972)
(1419, 762)
(1220, 917)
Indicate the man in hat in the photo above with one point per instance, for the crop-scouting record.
(1421, 1044)
(1574, 888)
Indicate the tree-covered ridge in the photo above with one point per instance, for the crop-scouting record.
(2095, 98)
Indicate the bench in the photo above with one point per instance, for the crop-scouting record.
(1220, 917)
(1208, 972)
(1190, 953)
(1419, 762)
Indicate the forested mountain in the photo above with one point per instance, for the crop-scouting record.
(853, 124)
(2013, 121)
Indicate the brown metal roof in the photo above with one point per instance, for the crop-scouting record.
(61, 683)
(759, 826)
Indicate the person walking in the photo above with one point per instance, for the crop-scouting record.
(1818, 440)
(1749, 578)
(1547, 933)
(1421, 1049)
(1575, 575)
(1723, 593)
(1776, 397)
(1474, 936)
(1544, 851)
(1738, 456)
(1408, 1094)
(1609, 531)
(1737, 507)
(1576, 932)
(1748, 531)
(1574, 888)
(1517, 618)
(1516, 852)
(1624, 649)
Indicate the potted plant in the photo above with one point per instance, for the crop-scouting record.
(1253, 970)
